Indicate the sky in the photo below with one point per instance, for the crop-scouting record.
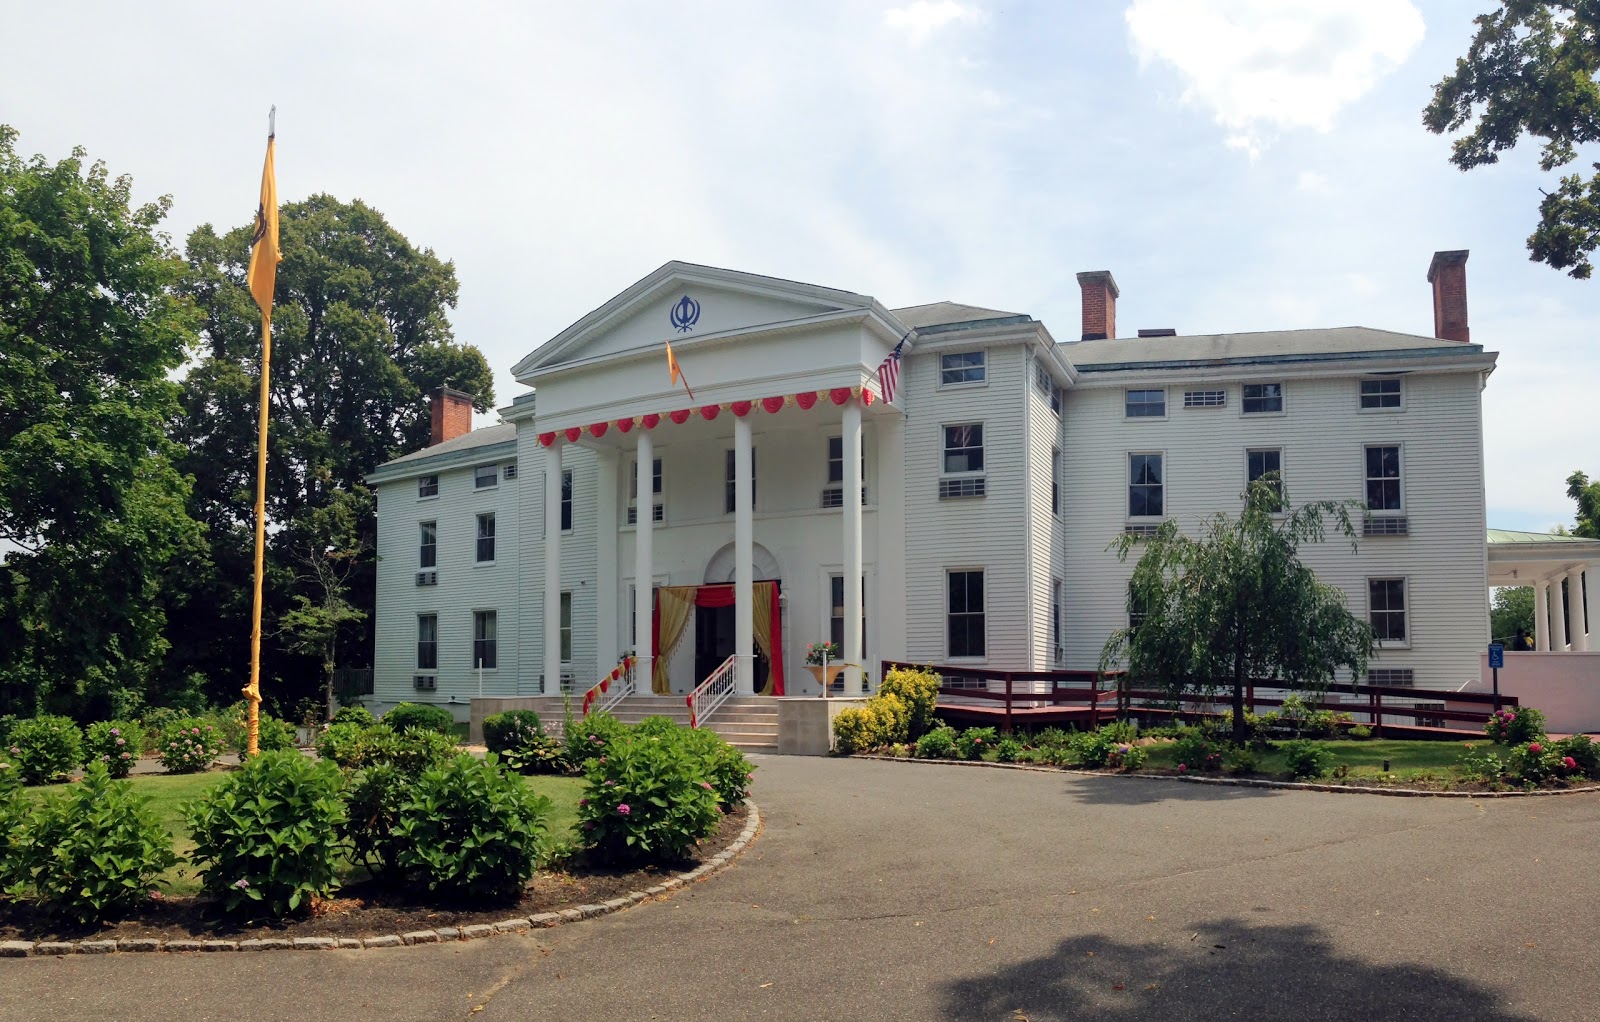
(1237, 164)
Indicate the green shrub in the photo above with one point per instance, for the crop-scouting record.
(1584, 753)
(1124, 731)
(1196, 750)
(975, 741)
(894, 717)
(372, 804)
(265, 838)
(344, 744)
(94, 851)
(544, 754)
(919, 690)
(114, 743)
(647, 800)
(273, 735)
(13, 811)
(725, 765)
(1307, 758)
(472, 831)
(855, 729)
(1517, 725)
(45, 748)
(588, 737)
(233, 724)
(656, 726)
(1125, 756)
(154, 721)
(940, 743)
(1092, 749)
(1239, 760)
(189, 745)
(1007, 749)
(1053, 738)
(1538, 761)
(1359, 733)
(508, 730)
(1481, 766)
(354, 715)
(408, 716)
(7, 722)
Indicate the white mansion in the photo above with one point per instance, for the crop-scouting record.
(963, 516)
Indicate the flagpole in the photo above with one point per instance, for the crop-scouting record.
(253, 693)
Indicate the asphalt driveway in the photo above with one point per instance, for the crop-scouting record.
(902, 891)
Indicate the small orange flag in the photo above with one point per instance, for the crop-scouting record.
(675, 372)
(264, 254)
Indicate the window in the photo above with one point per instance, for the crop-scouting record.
(483, 641)
(966, 623)
(1386, 605)
(1383, 479)
(1267, 465)
(427, 642)
(728, 501)
(486, 538)
(836, 618)
(1261, 398)
(658, 509)
(1048, 388)
(566, 501)
(836, 459)
(833, 493)
(1145, 404)
(485, 475)
(961, 367)
(1144, 486)
(566, 628)
(1055, 480)
(428, 545)
(510, 471)
(1138, 610)
(1057, 654)
(963, 448)
(1380, 393)
(1205, 398)
(427, 486)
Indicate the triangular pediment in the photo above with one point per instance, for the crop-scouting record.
(683, 302)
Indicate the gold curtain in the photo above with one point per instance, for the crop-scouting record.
(761, 604)
(674, 607)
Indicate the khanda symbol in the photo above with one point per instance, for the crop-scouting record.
(685, 314)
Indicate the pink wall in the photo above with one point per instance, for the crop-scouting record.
(1565, 687)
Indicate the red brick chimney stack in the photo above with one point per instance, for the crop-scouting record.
(1448, 275)
(1099, 304)
(452, 414)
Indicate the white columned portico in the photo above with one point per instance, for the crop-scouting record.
(607, 637)
(1575, 631)
(1541, 617)
(1591, 604)
(744, 615)
(852, 548)
(1558, 616)
(644, 603)
(552, 571)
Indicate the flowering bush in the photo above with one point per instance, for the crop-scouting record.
(1240, 760)
(1007, 749)
(940, 743)
(407, 716)
(648, 799)
(114, 743)
(470, 830)
(1584, 753)
(816, 650)
(94, 851)
(588, 737)
(1126, 757)
(189, 745)
(508, 730)
(855, 729)
(1515, 726)
(727, 770)
(1306, 758)
(265, 837)
(920, 692)
(1093, 749)
(975, 741)
(45, 748)
(1195, 750)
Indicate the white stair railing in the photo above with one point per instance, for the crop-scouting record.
(615, 687)
(711, 693)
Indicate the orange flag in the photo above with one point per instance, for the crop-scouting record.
(676, 373)
(264, 254)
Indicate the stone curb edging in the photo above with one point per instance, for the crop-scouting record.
(1238, 782)
(544, 920)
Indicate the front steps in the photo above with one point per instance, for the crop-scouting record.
(748, 722)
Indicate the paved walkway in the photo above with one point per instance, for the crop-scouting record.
(893, 891)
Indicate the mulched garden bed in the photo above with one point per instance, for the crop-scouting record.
(363, 908)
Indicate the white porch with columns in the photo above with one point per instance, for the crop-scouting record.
(1563, 621)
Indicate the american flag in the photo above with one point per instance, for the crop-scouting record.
(889, 370)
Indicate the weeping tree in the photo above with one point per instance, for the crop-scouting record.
(1214, 611)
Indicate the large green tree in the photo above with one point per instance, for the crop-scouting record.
(1533, 68)
(91, 327)
(1587, 496)
(360, 335)
(1235, 603)
(1511, 613)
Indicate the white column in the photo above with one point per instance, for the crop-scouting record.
(608, 638)
(1558, 617)
(852, 548)
(1575, 631)
(1591, 603)
(644, 603)
(744, 616)
(552, 570)
(1541, 617)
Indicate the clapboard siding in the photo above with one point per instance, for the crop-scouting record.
(1322, 435)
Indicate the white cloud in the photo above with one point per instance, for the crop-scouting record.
(920, 19)
(1261, 66)
(1311, 181)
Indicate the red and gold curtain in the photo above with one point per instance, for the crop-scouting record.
(672, 618)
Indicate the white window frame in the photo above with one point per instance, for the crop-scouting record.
(951, 657)
(658, 487)
(1222, 401)
(1405, 610)
(1058, 641)
(1055, 481)
(836, 571)
(1127, 504)
(428, 496)
(569, 507)
(1047, 387)
(944, 450)
(981, 366)
(1399, 478)
(730, 481)
(421, 546)
(478, 537)
(632, 608)
(420, 618)
(1281, 481)
(567, 613)
(1166, 404)
(495, 611)
(493, 466)
(1398, 381)
(1283, 399)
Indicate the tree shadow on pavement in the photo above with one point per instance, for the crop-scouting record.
(1230, 969)
(1136, 791)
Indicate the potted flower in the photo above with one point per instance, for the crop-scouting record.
(823, 661)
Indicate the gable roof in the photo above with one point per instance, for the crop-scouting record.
(941, 313)
(458, 450)
(1267, 346)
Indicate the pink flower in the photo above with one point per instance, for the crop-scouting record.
(611, 784)
(1183, 768)
(583, 802)
(1569, 762)
(706, 785)
(1535, 748)
(623, 810)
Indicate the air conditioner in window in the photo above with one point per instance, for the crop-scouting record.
(425, 682)
(427, 578)
(1386, 525)
(951, 489)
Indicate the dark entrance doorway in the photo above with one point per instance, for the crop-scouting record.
(714, 643)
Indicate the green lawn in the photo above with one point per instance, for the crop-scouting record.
(1364, 759)
(169, 792)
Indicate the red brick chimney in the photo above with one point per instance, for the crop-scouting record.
(452, 414)
(1099, 304)
(1448, 275)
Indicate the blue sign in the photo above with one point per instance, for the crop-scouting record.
(685, 314)
(1497, 654)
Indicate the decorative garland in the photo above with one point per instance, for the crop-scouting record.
(616, 673)
(806, 400)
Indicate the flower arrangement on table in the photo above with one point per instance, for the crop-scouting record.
(815, 651)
